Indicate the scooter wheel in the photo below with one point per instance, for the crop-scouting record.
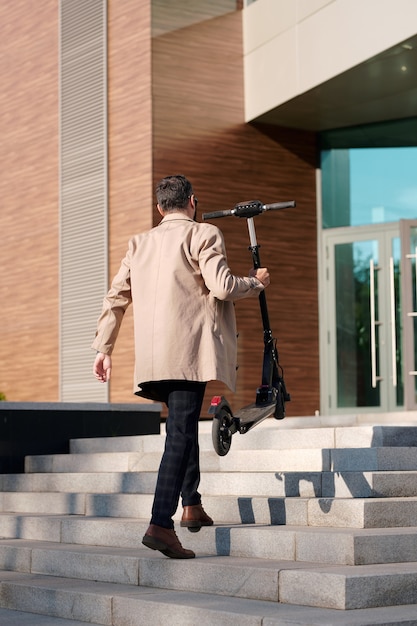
(221, 435)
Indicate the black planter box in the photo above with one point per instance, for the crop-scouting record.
(29, 428)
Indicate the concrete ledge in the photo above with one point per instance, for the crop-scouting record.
(32, 428)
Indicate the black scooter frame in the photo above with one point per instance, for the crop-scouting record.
(272, 395)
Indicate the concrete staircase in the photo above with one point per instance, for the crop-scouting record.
(315, 523)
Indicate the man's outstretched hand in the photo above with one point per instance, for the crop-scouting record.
(102, 367)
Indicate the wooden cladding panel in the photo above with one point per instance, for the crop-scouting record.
(130, 156)
(199, 130)
(167, 16)
(194, 125)
(29, 288)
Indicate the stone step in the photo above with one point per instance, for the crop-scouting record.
(319, 545)
(261, 437)
(44, 503)
(325, 512)
(349, 484)
(80, 482)
(122, 605)
(232, 576)
(288, 460)
(316, 545)
(9, 617)
(269, 434)
(324, 524)
(353, 484)
(266, 580)
(348, 588)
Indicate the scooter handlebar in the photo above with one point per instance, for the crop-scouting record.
(279, 205)
(249, 209)
(215, 214)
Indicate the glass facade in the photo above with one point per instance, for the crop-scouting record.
(363, 186)
(369, 252)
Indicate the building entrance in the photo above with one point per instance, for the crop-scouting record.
(370, 318)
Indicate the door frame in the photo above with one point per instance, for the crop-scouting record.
(328, 366)
(409, 313)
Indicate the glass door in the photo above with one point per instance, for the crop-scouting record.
(361, 337)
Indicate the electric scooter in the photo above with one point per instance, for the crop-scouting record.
(272, 394)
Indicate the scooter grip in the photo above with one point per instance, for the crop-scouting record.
(279, 205)
(210, 216)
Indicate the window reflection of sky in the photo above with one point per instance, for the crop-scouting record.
(383, 185)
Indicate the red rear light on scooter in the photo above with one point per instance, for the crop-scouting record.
(215, 403)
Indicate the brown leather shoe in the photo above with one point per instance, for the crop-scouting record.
(166, 541)
(194, 517)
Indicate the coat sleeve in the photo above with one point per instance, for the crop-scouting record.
(115, 304)
(216, 273)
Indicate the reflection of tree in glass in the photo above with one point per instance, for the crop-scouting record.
(366, 395)
(353, 324)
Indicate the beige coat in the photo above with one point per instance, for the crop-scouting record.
(182, 290)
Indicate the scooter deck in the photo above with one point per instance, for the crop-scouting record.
(252, 414)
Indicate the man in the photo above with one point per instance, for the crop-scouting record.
(182, 290)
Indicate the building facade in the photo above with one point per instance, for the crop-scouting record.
(305, 100)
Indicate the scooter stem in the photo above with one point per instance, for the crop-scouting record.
(254, 248)
(252, 233)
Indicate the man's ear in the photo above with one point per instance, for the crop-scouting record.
(160, 210)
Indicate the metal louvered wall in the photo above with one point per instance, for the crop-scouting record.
(83, 192)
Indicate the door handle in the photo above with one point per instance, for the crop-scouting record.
(413, 313)
(374, 323)
(393, 322)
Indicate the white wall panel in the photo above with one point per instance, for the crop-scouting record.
(292, 46)
(83, 192)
